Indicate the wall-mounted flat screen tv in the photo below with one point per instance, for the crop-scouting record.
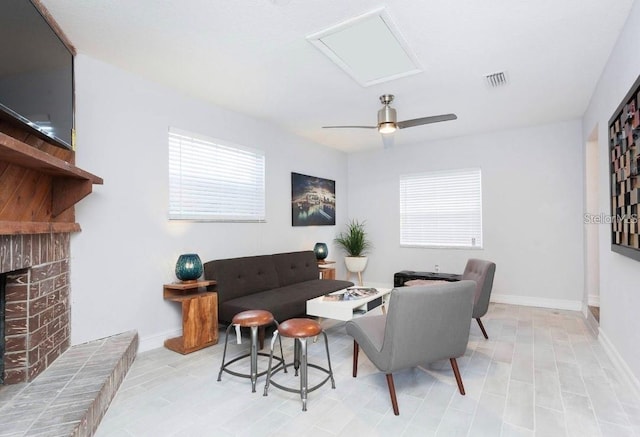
(36, 74)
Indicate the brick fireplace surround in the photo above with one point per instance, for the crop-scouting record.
(67, 397)
(37, 302)
(48, 387)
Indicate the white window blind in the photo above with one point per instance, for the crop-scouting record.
(214, 181)
(441, 209)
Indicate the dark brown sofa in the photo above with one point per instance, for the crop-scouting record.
(280, 283)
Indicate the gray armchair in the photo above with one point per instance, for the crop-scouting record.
(482, 273)
(423, 324)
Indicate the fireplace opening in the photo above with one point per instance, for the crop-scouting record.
(36, 303)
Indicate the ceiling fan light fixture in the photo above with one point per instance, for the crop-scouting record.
(387, 127)
(388, 121)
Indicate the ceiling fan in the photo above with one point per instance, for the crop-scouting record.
(388, 124)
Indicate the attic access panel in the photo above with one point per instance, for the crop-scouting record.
(369, 48)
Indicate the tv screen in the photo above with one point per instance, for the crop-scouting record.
(36, 73)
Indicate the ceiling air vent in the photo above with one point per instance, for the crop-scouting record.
(496, 80)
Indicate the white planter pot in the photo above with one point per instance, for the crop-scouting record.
(355, 264)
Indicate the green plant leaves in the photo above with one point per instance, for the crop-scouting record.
(354, 241)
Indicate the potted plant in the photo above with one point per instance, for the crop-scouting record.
(356, 245)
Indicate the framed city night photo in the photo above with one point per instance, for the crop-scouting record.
(313, 201)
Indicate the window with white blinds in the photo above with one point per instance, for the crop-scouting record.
(441, 209)
(214, 181)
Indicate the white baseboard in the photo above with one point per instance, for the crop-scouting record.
(157, 340)
(559, 304)
(593, 300)
(591, 321)
(619, 363)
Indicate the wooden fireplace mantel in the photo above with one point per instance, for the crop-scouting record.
(39, 189)
(16, 152)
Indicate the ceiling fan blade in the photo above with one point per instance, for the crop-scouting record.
(388, 140)
(349, 127)
(426, 120)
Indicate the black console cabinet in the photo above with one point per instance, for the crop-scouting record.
(408, 275)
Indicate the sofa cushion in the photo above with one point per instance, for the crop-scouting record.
(238, 277)
(295, 267)
(283, 302)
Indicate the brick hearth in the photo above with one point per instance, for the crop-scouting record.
(73, 394)
(37, 302)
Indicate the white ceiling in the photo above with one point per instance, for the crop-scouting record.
(252, 56)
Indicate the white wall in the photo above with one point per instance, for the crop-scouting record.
(532, 210)
(127, 248)
(619, 275)
(591, 231)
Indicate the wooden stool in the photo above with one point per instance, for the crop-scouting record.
(253, 319)
(300, 330)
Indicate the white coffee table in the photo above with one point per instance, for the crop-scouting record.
(345, 309)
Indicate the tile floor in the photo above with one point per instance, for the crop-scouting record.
(542, 373)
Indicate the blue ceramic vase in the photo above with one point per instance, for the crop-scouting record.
(321, 251)
(188, 267)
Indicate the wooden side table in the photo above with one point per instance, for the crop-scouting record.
(199, 315)
(327, 272)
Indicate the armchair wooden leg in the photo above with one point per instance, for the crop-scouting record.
(356, 349)
(392, 393)
(482, 328)
(456, 372)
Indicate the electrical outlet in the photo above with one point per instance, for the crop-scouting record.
(437, 268)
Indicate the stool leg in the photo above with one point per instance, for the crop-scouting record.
(224, 353)
(326, 343)
(303, 371)
(273, 340)
(281, 352)
(296, 356)
(282, 355)
(254, 357)
(261, 334)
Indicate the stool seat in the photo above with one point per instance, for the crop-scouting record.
(299, 328)
(249, 318)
